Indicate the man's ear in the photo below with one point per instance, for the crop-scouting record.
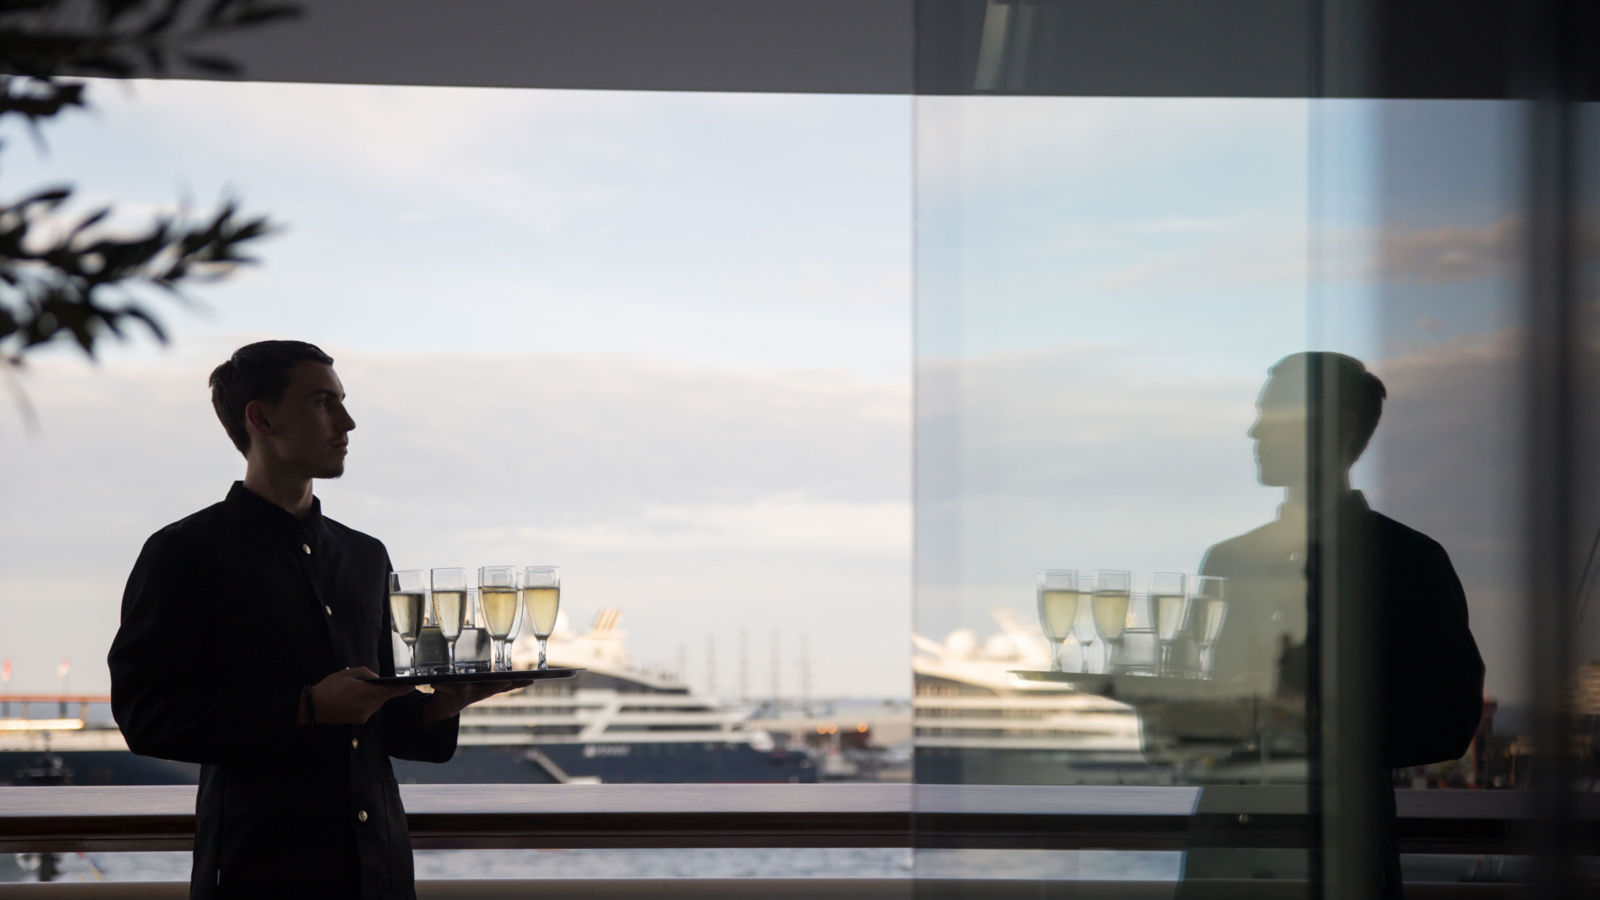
(255, 417)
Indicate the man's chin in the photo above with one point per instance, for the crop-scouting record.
(331, 472)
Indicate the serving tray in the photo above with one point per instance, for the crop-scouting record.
(515, 676)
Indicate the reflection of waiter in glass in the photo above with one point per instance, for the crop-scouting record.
(1426, 664)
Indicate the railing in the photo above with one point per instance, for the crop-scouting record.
(98, 819)
(66, 819)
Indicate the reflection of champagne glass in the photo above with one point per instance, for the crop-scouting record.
(541, 600)
(1109, 606)
(497, 594)
(450, 606)
(1205, 617)
(1171, 607)
(1058, 609)
(407, 594)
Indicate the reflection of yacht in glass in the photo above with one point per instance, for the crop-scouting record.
(977, 723)
(611, 723)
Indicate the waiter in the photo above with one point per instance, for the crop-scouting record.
(247, 630)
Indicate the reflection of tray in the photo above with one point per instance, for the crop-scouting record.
(1131, 688)
(516, 676)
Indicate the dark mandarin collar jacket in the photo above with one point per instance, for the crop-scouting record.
(227, 615)
(1429, 674)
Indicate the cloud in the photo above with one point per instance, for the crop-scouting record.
(688, 497)
(778, 525)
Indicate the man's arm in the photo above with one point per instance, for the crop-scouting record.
(1435, 671)
(165, 693)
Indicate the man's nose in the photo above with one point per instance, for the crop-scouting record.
(348, 424)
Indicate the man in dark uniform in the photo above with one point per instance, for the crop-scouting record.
(1425, 663)
(247, 629)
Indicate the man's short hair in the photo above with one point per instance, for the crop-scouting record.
(1356, 390)
(258, 371)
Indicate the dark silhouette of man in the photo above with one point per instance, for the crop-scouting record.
(1424, 662)
(247, 629)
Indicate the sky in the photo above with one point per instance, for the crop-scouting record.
(1103, 283)
(658, 340)
(825, 367)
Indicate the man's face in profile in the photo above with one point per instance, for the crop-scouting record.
(1279, 432)
(310, 426)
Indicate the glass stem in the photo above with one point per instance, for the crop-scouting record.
(451, 646)
(542, 665)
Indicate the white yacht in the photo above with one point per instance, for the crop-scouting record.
(612, 723)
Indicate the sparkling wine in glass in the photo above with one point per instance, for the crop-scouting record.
(497, 594)
(1170, 605)
(408, 595)
(450, 606)
(1207, 610)
(1109, 608)
(1059, 597)
(541, 600)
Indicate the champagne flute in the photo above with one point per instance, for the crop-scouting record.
(541, 600)
(1109, 608)
(408, 592)
(1171, 607)
(1058, 609)
(1205, 622)
(450, 606)
(497, 593)
(1084, 629)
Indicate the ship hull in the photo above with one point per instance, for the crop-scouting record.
(99, 767)
(982, 765)
(609, 763)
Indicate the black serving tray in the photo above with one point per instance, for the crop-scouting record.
(515, 676)
(1129, 687)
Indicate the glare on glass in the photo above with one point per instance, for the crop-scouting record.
(408, 593)
(497, 594)
(1109, 608)
(1207, 609)
(1059, 597)
(450, 606)
(541, 600)
(1169, 604)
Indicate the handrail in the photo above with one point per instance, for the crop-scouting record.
(67, 819)
(801, 888)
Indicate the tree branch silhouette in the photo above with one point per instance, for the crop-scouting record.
(79, 281)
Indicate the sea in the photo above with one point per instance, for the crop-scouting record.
(1098, 865)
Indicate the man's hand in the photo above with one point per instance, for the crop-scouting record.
(449, 699)
(344, 699)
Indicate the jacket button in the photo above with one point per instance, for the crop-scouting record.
(328, 610)
(306, 548)
(354, 743)
(362, 815)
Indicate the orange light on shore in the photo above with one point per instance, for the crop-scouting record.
(41, 724)
(861, 727)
